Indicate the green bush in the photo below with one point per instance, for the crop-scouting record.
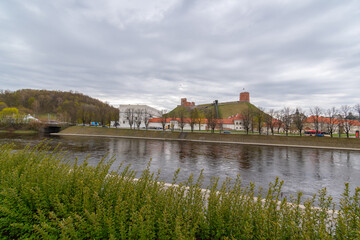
(43, 196)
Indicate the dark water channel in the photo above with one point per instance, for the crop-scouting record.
(306, 170)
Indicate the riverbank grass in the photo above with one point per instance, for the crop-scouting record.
(20, 131)
(43, 196)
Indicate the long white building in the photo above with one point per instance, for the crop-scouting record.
(130, 114)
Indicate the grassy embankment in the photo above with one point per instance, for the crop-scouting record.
(240, 138)
(44, 197)
(19, 131)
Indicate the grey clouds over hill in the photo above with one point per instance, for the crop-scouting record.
(286, 53)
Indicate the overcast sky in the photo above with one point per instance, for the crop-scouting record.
(285, 53)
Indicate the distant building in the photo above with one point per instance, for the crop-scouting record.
(323, 123)
(245, 97)
(29, 118)
(185, 103)
(232, 123)
(128, 113)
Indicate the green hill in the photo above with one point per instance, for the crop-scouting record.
(226, 110)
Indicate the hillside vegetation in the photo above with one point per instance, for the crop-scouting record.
(65, 106)
(226, 110)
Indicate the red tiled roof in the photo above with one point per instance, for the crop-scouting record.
(327, 120)
(186, 120)
(229, 120)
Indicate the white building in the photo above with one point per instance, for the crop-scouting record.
(136, 114)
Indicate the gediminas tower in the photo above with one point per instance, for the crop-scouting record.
(245, 97)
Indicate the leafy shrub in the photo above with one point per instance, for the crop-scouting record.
(43, 196)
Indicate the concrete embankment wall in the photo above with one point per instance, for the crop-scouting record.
(305, 141)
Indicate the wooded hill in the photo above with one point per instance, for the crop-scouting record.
(70, 106)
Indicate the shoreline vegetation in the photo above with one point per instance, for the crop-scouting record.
(43, 196)
(265, 140)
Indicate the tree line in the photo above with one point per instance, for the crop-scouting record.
(288, 120)
(71, 107)
(332, 120)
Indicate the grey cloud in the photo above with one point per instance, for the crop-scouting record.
(283, 52)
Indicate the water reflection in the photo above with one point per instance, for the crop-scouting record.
(306, 170)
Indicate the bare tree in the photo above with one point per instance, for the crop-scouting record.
(269, 120)
(315, 116)
(247, 115)
(84, 113)
(138, 117)
(199, 118)
(345, 109)
(193, 118)
(259, 117)
(172, 117)
(357, 109)
(211, 119)
(331, 124)
(182, 118)
(147, 117)
(129, 114)
(298, 119)
(286, 119)
(112, 116)
(163, 119)
(279, 117)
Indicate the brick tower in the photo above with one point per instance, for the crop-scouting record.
(245, 97)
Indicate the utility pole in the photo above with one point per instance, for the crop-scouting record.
(216, 109)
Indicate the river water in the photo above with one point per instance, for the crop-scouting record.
(306, 170)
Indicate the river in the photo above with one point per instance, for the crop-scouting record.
(306, 170)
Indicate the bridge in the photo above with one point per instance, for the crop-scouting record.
(53, 127)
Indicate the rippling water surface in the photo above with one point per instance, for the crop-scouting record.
(306, 170)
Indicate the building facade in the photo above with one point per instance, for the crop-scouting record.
(130, 116)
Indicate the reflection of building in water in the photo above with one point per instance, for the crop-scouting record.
(136, 113)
